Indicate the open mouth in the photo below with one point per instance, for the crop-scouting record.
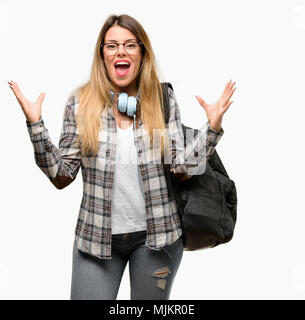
(122, 68)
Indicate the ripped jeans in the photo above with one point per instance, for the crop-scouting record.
(151, 271)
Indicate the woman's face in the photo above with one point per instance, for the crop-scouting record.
(123, 78)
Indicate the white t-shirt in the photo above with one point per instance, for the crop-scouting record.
(128, 203)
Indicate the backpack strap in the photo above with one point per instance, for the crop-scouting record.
(165, 86)
(171, 182)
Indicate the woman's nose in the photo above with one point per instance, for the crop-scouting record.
(121, 50)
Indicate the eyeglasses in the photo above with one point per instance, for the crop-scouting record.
(111, 48)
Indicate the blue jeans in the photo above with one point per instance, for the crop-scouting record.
(151, 272)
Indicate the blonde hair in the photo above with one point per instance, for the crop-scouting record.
(94, 95)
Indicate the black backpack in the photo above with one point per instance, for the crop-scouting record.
(207, 203)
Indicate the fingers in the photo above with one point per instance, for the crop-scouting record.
(227, 106)
(15, 88)
(201, 101)
(229, 92)
(231, 87)
(40, 98)
(226, 87)
(230, 84)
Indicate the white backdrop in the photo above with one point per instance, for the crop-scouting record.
(47, 46)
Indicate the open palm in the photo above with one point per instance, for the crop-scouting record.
(216, 111)
(31, 110)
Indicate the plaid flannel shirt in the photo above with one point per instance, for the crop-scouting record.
(61, 165)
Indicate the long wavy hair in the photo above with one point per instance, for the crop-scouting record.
(94, 95)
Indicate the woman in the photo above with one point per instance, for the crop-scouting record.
(125, 213)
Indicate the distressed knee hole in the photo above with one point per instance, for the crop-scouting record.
(161, 283)
(162, 273)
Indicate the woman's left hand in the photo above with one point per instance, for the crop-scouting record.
(216, 111)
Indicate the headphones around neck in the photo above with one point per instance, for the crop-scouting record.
(126, 104)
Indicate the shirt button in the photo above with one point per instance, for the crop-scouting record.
(48, 148)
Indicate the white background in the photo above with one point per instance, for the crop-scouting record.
(47, 46)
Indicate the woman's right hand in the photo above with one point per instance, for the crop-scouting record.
(31, 110)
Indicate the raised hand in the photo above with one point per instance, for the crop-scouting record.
(216, 111)
(31, 110)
